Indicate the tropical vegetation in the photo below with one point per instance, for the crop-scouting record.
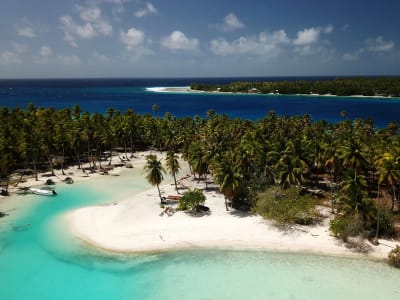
(366, 86)
(192, 200)
(353, 163)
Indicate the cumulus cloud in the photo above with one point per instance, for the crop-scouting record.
(45, 55)
(132, 38)
(99, 58)
(379, 45)
(311, 35)
(149, 9)
(93, 25)
(45, 51)
(19, 48)
(307, 36)
(177, 40)
(9, 58)
(26, 29)
(89, 14)
(26, 32)
(68, 60)
(352, 56)
(371, 45)
(231, 23)
(264, 44)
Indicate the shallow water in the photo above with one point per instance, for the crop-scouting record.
(41, 261)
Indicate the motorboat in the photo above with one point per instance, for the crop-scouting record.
(43, 192)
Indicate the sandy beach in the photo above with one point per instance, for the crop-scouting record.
(138, 224)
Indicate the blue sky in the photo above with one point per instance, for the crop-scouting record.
(170, 38)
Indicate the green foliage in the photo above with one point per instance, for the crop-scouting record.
(287, 206)
(394, 257)
(386, 222)
(346, 226)
(339, 86)
(191, 200)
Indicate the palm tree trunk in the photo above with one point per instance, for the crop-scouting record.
(378, 218)
(62, 161)
(159, 192)
(176, 185)
(34, 169)
(393, 196)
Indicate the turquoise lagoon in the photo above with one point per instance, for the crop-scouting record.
(41, 261)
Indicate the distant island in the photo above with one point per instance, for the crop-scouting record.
(365, 86)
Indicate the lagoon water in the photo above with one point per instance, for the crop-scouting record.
(42, 261)
(97, 95)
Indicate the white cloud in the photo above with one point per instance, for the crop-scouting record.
(68, 60)
(327, 29)
(89, 14)
(352, 56)
(307, 36)
(264, 44)
(379, 45)
(19, 48)
(45, 51)
(94, 25)
(149, 9)
(132, 38)
(345, 27)
(177, 40)
(311, 35)
(26, 31)
(99, 58)
(9, 58)
(45, 55)
(231, 23)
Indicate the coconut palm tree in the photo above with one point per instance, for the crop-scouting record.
(229, 180)
(155, 171)
(173, 166)
(388, 171)
(353, 194)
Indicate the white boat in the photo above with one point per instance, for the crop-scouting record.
(43, 192)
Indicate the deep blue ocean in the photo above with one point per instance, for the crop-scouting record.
(97, 95)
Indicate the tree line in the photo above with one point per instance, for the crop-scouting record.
(385, 86)
(360, 162)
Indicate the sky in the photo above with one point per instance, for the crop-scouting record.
(198, 38)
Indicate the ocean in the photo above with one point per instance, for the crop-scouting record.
(97, 95)
(42, 261)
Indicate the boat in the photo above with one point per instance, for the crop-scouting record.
(43, 192)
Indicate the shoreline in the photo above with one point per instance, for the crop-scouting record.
(134, 226)
(187, 89)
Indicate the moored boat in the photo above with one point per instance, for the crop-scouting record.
(43, 192)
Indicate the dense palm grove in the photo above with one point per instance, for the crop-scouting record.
(387, 86)
(360, 163)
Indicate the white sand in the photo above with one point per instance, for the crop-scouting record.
(135, 225)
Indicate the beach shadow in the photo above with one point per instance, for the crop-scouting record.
(198, 214)
(240, 213)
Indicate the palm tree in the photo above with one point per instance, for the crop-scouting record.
(354, 156)
(173, 167)
(388, 171)
(197, 159)
(155, 169)
(229, 180)
(353, 193)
